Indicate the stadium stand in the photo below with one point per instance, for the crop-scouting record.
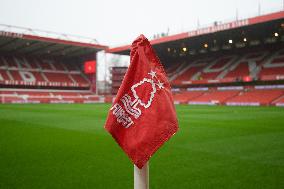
(262, 65)
(250, 76)
(279, 101)
(188, 71)
(48, 96)
(242, 96)
(274, 67)
(256, 97)
(20, 70)
(41, 69)
(214, 97)
(235, 63)
(184, 97)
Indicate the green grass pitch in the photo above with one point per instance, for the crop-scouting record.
(65, 146)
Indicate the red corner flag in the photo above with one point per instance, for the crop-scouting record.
(143, 115)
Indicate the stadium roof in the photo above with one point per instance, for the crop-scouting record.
(37, 42)
(187, 37)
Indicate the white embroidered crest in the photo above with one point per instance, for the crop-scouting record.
(131, 107)
(151, 95)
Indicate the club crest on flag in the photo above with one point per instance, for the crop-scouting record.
(143, 115)
(131, 107)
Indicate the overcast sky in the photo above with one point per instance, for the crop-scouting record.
(117, 22)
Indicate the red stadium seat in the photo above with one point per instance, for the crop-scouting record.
(46, 96)
(215, 97)
(43, 72)
(256, 96)
(184, 97)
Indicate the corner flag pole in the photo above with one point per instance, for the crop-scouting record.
(141, 177)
